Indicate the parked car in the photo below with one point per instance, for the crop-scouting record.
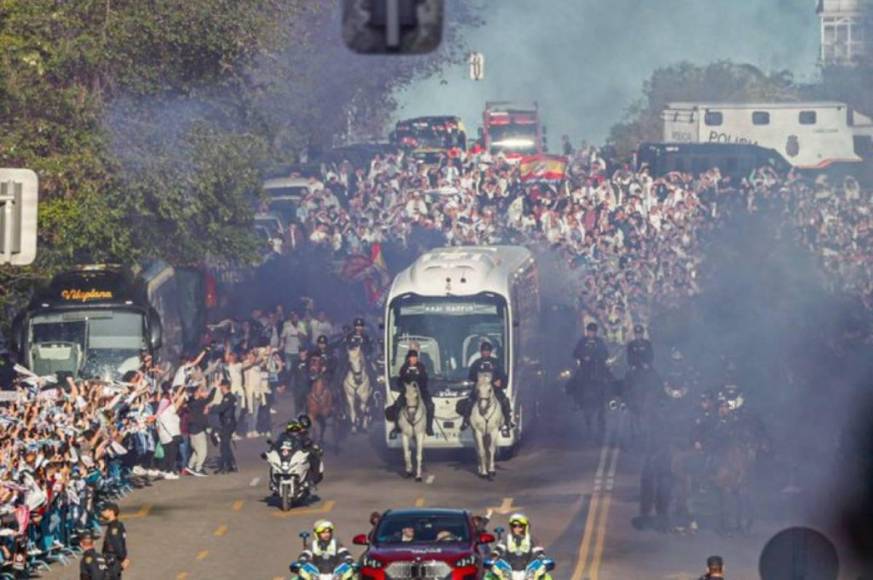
(423, 543)
(284, 194)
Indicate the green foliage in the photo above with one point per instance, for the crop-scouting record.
(722, 81)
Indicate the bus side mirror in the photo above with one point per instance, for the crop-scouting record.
(156, 331)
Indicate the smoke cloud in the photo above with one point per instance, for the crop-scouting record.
(585, 60)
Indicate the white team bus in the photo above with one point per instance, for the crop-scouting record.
(445, 305)
(810, 135)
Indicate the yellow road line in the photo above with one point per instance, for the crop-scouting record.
(585, 543)
(419, 502)
(201, 555)
(326, 507)
(220, 531)
(182, 576)
(237, 505)
(143, 512)
(604, 518)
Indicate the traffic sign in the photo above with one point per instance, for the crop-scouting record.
(18, 204)
(477, 66)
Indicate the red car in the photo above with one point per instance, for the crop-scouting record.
(426, 544)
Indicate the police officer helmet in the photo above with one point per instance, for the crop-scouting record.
(591, 327)
(304, 420)
(411, 353)
(323, 526)
(293, 427)
(322, 339)
(715, 562)
(359, 323)
(485, 346)
(519, 519)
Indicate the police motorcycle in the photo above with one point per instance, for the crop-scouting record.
(498, 567)
(310, 566)
(289, 471)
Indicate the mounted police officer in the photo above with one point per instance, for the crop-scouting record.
(328, 359)
(325, 552)
(359, 330)
(412, 370)
(486, 363)
(591, 357)
(640, 354)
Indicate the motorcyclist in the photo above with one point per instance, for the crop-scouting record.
(412, 370)
(296, 432)
(519, 548)
(489, 364)
(325, 552)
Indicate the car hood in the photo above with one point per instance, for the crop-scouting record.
(394, 553)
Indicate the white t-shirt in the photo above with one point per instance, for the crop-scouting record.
(169, 425)
(234, 373)
(291, 335)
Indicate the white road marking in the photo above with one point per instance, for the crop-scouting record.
(255, 482)
(430, 479)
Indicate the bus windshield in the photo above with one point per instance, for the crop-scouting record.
(447, 332)
(87, 342)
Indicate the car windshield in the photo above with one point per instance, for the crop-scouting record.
(426, 528)
(447, 333)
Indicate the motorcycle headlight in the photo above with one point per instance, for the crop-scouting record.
(565, 374)
(466, 561)
(372, 563)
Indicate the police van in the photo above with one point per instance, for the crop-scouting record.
(809, 135)
(445, 305)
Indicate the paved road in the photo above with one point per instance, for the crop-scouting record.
(580, 495)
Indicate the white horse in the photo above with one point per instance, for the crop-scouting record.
(486, 419)
(411, 420)
(357, 388)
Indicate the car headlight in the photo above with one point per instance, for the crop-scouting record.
(372, 563)
(466, 561)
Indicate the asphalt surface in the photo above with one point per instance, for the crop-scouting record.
(581, 496)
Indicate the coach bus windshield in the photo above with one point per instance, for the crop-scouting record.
(447, 332)
(88, 341)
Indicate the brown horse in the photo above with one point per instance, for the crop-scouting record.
(319, 401)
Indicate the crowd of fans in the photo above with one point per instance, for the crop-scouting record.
(67, 447)
(632, 244)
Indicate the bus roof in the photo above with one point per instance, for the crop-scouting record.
(462, 271)
(92, 285)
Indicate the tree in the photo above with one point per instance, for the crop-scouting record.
(719, 81)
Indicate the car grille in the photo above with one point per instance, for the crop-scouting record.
(419, 570)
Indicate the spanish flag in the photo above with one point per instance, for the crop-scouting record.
(543, 168)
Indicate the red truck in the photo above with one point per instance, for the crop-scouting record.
(424, 543)
(513, 130)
